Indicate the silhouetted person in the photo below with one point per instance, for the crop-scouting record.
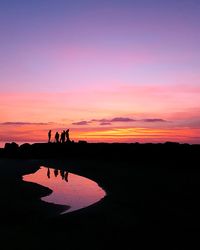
(66, 176)
(56, 172)
(49, 136)
(62, 139)
(57, 137)
(48, 173)
(67, 135)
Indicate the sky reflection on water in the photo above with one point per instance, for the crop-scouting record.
(68, 189)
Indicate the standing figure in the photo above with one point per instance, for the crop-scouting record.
(57, 137)
(49, 136)
(67, 135)
(62, 139)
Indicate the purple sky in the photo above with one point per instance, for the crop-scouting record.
(56, 45)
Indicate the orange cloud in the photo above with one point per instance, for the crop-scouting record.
(38, 133)
(29, 116)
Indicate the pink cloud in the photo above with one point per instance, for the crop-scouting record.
(31, 133)
(134, 54)
(81, 123)
(114, 55)
(118, 120)
(179, 104)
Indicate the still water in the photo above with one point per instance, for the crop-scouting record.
(68, 189)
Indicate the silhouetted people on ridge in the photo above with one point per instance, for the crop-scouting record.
(49, 136)
(62, 139)
(57, 137)
(67, 135)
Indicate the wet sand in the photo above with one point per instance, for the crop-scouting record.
(149, 199)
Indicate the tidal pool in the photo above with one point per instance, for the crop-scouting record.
(68, 189)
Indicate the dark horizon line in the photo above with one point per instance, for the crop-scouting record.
(84, 141)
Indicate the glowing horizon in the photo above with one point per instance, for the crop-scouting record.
(109, 71)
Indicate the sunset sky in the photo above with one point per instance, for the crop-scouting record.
(110, 70)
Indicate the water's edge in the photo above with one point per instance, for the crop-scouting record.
(71, 190)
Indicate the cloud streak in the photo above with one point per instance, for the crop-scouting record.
(25, 123)
(81, 123)
(122, 119)
(153, 120)
(104, 122)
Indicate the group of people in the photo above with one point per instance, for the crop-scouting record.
(60, 138)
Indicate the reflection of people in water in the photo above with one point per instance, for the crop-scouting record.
(49, 136)
(48, 173)
(66, 176)
(56, 172)
(62, 174)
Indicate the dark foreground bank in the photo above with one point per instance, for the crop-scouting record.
(153, 197)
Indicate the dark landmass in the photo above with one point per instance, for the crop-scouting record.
(153, 196)
(108, 151)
